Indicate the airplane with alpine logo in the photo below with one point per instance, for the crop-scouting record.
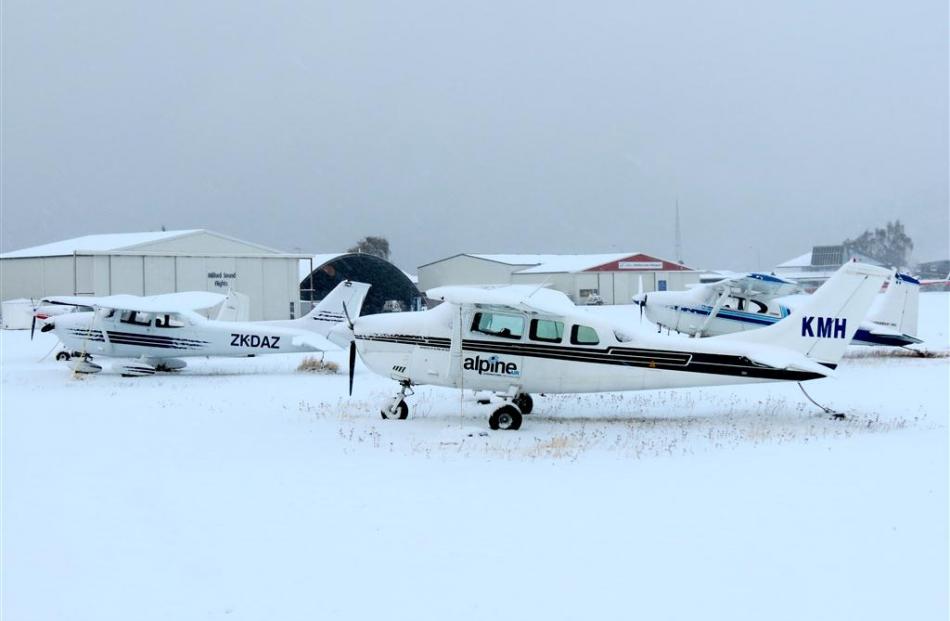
(517, 340)
(156, 332)
(751, 301)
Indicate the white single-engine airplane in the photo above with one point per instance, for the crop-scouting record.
(518, 340)
(751, 301)
(157, 331)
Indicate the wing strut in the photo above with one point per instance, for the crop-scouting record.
(715, 311)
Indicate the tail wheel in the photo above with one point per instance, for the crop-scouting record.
(506, 417)
(524, 402)
(402, 412)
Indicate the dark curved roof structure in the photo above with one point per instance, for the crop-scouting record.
(388, 281)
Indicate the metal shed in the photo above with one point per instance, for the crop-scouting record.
(156, 262)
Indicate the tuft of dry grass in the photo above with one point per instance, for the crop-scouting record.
(891, 352)
(311, 364)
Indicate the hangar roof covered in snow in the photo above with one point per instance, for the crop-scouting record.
(569, 263)
(112, 242)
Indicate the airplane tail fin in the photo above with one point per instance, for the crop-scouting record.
(824, 325)
(897, 308)
(346, 298)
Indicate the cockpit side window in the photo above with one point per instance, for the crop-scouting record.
(136, 317)
(499, 324)
(547, 330)
(584, 335)
(169, 321)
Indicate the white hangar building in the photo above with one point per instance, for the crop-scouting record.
(157, 262)
(614, 277)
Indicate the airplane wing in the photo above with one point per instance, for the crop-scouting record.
(531, 298)
(164, 303)
(757, 284)
(314, 340)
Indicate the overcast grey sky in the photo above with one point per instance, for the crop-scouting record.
(479, 127)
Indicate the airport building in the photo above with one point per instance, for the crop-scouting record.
(813, 268)
(279, 285)
(156, 262)
(586, 278)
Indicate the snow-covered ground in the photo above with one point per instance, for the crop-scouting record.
(242, 489)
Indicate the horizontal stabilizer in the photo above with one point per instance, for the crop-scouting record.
(314, 340)
(787, 360)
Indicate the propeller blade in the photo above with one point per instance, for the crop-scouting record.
(352, 364)
(641, 298)
(33, 327)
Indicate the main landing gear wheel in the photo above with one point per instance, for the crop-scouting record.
(63, 356)
(505, 417)
(524, 402)
(401, 413)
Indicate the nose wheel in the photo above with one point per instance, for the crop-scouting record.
(401, 412)
(397, 408)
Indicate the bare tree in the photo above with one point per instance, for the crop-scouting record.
(376, 246)
(889, 245)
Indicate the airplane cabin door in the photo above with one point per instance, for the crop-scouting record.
(491, 349)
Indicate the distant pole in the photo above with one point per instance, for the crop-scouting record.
(678, 250)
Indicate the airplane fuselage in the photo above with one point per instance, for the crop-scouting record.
(441, 347)
(173, 336)
(682, 312)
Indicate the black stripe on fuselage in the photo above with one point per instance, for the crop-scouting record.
(155, 337)
(435, 342)
(692, 362)
(149, 340)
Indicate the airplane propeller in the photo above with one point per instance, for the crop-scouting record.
(641, 299)
(349, 322)
(352, 364)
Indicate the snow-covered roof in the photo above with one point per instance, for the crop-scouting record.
(558, 263)
(799, 261)
(95, 243)
(318, 260)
